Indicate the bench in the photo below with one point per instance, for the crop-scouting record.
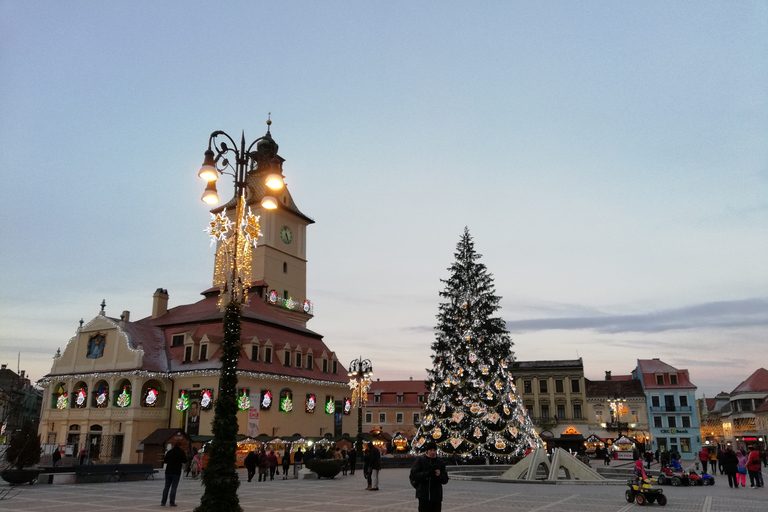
(116, 471)
(86, 470)
(136, 469)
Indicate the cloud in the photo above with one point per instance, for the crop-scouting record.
(718, 315)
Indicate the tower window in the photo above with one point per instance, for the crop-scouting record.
(285, 268)
(285, 294)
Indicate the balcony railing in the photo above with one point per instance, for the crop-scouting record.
(670, 408)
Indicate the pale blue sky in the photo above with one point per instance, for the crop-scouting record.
(609, 159)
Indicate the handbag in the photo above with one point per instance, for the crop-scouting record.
(741, 470)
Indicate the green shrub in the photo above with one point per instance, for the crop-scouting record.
(325, 468)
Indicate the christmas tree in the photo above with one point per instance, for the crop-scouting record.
(473, 407)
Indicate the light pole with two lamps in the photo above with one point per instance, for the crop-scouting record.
(360, 374)
(233, 276)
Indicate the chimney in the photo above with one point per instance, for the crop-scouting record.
(21, 374)
(159, 303)
(4, 367)
(126, 316)
(607, 375)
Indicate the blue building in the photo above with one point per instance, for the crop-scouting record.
(671, 400)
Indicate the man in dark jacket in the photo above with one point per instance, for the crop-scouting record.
(430, 474)
(375, 466)
(250, 464)
(174, 460)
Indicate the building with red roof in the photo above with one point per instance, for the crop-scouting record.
(119, 380)
(672, 407)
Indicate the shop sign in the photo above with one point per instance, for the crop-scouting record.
(674, 431)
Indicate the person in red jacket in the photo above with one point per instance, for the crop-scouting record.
(753, 467)
(704, 458)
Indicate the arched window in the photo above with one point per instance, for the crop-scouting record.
(100, 395)
(122, 394)
(59, 396)
(152, 394)
(80, 400)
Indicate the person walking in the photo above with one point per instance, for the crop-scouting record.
(56, 457)
(755, 472)
(375, 466)
(429, 474)
(352, 459)
(704, 458)
(730, 467)
(174, 460)
(298, 459)
(272, 463)
(741, 469)
(286, 462)
(713, 462)
(648, 459)
(196, 464)
(263, 465)
(250, 462)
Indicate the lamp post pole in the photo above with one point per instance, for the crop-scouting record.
(233, 275)
(360, 373)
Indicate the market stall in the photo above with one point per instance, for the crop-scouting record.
(594, 445)
(623, 448)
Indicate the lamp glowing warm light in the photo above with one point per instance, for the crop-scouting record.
(210, 196)
(269, 202)
(275, 181)
(208, 171)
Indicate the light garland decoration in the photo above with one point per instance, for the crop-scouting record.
(61, 399)
(101, 397)
(286, 403)
(244, 401)
(80, 398)
(272, 296)
(219, 226)
(206, 399)
(347, 405)
(251, 227)
(307, 306)
(124, 398)
(182, 404)
(310, 403)
(330, 406)
(150, 397)
(266, 399)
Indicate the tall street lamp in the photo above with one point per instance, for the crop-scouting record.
(360, 374)
(617, 405)
(233, 276)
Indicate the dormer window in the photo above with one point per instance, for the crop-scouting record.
(287, 358)
(254, 353)
(673, 380)
(177, 340)
(188, 354)
(325, 365)
(298, 360)
(399, 399)
(204, 352)
(335, 366)
(268, 355)
(310, 361)
(659, 380)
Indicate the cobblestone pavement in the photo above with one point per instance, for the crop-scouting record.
(347, 494)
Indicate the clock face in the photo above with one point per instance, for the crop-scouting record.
(285, 234)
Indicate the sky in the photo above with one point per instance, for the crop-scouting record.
(608, 158)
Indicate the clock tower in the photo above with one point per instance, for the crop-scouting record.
(279, 265)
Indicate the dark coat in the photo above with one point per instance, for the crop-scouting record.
(430, 486)
(174, 459)
(250, 460)
(730, 462)
(375, 458)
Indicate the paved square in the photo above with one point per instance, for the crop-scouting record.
(347, 494)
